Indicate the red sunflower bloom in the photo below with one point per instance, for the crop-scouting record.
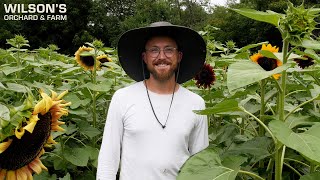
(206, 77)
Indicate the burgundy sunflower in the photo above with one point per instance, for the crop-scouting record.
(20, 154)
(266, 63)
(206, 77)
(305, 62)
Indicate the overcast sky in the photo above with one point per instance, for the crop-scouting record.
(218, 2)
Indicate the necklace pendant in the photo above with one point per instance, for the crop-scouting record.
(163, 126)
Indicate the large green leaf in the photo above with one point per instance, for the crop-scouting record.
(77, 156)
(307, 143)
(247, 47)
(268, 17)
(312, 176)
(294, 121)
(17, 87)
(244, 73)
(311, 44)
(206, 165)
(255, 149)
(224, 106)
(9, 70)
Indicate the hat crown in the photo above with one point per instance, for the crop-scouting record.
(160, 23)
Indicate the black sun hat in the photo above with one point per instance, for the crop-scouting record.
(131, 45)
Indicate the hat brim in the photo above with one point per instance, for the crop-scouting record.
(131, 45)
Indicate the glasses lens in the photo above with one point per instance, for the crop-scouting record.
(155, 51)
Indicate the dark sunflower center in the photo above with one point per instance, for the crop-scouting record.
(267, 64)
(22, 151)
(87, 60)
(103, 60)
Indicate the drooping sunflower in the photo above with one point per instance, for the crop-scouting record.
(103, 58)
(304, 63)
(266, 63)
(20, 154)
(87, 62)
(206, 77)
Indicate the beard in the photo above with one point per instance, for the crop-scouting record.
(162, 76)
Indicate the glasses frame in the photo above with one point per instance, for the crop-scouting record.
(159, 50)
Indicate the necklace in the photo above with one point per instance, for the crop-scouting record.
(154, 113)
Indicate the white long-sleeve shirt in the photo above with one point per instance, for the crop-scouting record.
(146, 150)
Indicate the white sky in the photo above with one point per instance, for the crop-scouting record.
(218, 2)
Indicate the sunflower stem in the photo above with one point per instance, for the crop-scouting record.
(261, 123)
(280, 148)
(94, 107)
(251, 174)
(302, 104)
(262, 111)
(18, 61)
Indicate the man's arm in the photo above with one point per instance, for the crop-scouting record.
(109, 155)
(199, 139)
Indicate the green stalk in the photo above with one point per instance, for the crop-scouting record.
(279, 151)
(94, 81)
(262, 108)
(251, 174)
(300, 105)
(313, 168)
(261, 123)
(293, 169)
(18, 61)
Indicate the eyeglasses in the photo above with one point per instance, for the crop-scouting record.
(155, 51)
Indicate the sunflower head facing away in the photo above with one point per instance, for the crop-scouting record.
(86, 61)
(266, 63)
(103, 58)
(304, 63)
(20, 154)
(206, 77)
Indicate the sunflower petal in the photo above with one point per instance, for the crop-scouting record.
(3, 173)
(30, 127)
(19, 133)
(61, 95)
(11, 175)
(20, 174)
(4, 146)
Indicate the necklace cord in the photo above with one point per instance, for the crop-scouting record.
(144, 80)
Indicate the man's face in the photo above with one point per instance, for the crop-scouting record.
(162, 57)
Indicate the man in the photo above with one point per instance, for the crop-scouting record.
(151, 126)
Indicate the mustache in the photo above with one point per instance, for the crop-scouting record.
(161, 61)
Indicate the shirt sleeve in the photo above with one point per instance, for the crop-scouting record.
(109, 155)
(199, 139)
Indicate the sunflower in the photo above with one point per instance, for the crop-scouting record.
(87, 62)
(266, 63)
(103, 58)
(206, 77)
(303, 63)
(20, 154)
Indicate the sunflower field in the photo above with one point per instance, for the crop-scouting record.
(263, 106)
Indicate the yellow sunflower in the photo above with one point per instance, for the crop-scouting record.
(87, 62)
(104, 58)
(266, 63)
(20, 154)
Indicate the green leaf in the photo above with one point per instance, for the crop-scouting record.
(17, 87)
(245, 48)
(77, 156)
(311, 44)
(244, 73)
(206, 165)
(306, 143)
(10, 70)
(268, 17)
(224, 106)
(2, 86)
(268, 54)
(312, 176)
(294, 121)
(315, 92)
(68, 71)
(86, 129)
(255, 149)
(103, 87)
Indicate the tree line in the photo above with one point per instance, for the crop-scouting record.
(108, 19)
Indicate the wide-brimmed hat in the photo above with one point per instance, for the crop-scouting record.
(131, 45)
